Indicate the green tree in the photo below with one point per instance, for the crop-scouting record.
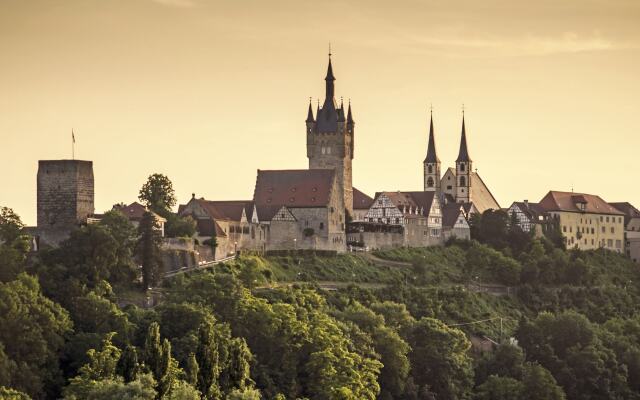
(177, 226)
(14, 246)
(440, 359)
(157, 357)
(32, 329)
(149, 251)
(182, 390)
(128, 366)
(539, 384)
(192, 370)
(239, 365)
(158, 194)
(111, 389)
(499, 388)
(102, 363)
(245, 394)
(125, 235)
(207, 357)
(12, 394)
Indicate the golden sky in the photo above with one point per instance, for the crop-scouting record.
(209, 91)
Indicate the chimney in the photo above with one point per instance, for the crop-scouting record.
(526, 203)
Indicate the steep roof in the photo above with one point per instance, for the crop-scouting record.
(226, 209)
(303, 188)
(135, 211)
(450, 214)
(410, 199)
(463, 153)
(628, 210)
(361, 201)
(481, 196)
(571, 202)
(531, 210)
(432, 156)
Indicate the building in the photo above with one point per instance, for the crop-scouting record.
(135, 212)
(529, 216)
(330, 139)
(234, 224)
(586, 221)
(303, 209)
(460, 184)
(631, 229)
(65, 198)
(361, 205)
(417, 213)
(454, 222)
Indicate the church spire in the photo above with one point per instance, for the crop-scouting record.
(310, 113)
(432, 156)
(463, 154)
(330, 88)
(349, 115)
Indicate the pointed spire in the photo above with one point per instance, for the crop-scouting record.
(310, 113)
(349, 115)
(329, 95)
(463, 154)
(432, 155)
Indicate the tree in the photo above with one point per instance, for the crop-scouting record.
(539, 384)
(440, 359)
(102, 363)
(14, 246)
(12, 394)
(128, 366)
(239, 365)
(182, 390)
(192, 370)
(32, 329)
(149, 251)
(499, 388)
(111, 389)
(124, 234)
(158, 194)
(157, 357)
(177, 226)
(207, 357)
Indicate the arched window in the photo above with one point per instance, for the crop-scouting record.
(463, 181)
(430, 169)
(430, 181)
(462, 167)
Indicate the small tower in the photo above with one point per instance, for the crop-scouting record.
(431, 163)
(330, 139)
(463, 169)
(65, 197)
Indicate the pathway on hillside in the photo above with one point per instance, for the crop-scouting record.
(382, 261)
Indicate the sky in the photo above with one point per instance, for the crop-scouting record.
(207, 92)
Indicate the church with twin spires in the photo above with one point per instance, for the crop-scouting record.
(461, 184)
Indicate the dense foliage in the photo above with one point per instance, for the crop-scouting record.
(511, 317)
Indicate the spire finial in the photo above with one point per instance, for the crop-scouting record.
(462, 110)
(329, 49)
(431, 108)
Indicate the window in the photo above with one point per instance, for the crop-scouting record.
(449, 187)
(603, 229)
(430, 182)
(462, 167)
(321, 225)
(618, 244)
(463, 181)
(613, 230)
(430, 169)
(607, 219)
(609, 242)
(564, 228)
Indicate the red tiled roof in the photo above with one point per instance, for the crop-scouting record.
(361, 201)
(628, 210)
(207, 226)
(134, 211)
(411, 199)
(568, 201)
(230, 210)
(293, 188)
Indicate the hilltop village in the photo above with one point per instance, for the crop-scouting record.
(320, 209)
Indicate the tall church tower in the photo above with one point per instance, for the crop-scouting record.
(463, 169)
(330, 139)
(431, 164)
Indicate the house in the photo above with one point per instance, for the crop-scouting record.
(417, 213)
(529, 216)
(303, 209)
(361, 205)
(586, 221)
(454, 222)
(234, 224)
(135, 212)
(631, 229)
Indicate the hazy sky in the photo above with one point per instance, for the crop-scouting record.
(207, 92)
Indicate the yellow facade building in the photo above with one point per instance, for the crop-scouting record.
(586, 221)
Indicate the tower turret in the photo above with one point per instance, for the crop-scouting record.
(330, 139)
(431, 163)
(463, 168)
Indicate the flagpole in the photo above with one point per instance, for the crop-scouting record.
(73, 145)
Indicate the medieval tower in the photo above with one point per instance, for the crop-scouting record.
(330, 139)
(431, 164)
(65, 197)
(463, 169)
